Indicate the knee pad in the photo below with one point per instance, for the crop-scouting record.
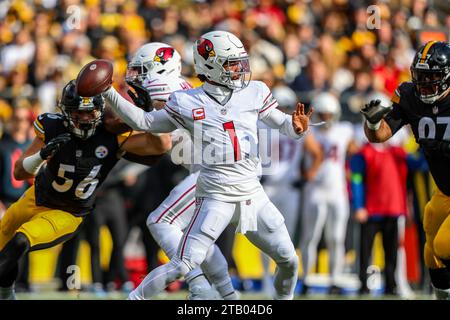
(291, 264)
(440, 278)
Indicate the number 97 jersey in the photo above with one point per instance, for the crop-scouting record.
(71, 177)
(429, 121)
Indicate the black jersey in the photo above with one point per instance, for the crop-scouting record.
(72, 176)
(431, 121)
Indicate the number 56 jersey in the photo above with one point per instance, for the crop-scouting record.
(71, 177)
(225, 138)
(430, 121)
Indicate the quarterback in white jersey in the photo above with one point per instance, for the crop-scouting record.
(221, 117)
(156, 67)
(326, 198)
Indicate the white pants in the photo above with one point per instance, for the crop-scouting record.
(330, 212)
(168, 222)
(210, 218)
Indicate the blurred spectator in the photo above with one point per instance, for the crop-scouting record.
(379, 199)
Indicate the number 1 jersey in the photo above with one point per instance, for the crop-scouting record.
(227, 137)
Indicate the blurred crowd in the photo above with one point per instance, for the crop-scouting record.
(352, 49)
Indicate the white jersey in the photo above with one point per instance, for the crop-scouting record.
(227, 136)
(334, 142)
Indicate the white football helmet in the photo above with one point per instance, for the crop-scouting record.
(326, 103)
(216, 50)
(154, 58)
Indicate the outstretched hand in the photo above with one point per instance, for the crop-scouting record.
(300, 119)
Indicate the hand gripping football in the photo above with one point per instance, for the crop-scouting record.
(94, 78)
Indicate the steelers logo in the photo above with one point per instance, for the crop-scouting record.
(93, 67)
(101, 152)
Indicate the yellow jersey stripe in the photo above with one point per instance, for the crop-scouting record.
(38, 128)
(425, 51)
(38, 124)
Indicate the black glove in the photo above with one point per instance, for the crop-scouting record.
(54, 145)
(374, 111)
(141, 97)
(428, 145)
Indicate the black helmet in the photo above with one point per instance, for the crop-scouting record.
(72, 104)
(430, 71)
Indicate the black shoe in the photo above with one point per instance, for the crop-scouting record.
(334, 290)
(304, 290)
(363, 291)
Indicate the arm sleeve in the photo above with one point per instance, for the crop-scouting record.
(357, 166)
(276, 119)
(136, 118)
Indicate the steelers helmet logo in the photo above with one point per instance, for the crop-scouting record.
(101, 152)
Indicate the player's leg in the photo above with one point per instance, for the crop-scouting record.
(335, 230)
(273, 239)
(12, 247)
(215, 267)
(390, 245)
(403, 287)
(436, 223)
(167, 222)
(313, 222)
(9, 267)
(209, 220)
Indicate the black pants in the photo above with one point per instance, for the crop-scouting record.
(389, 228)
(69, 252)
(111, 212)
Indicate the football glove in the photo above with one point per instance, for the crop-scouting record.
(54, 145)
(140, 96)
(442, 147)
(374, 111)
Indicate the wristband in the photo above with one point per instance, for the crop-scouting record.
(373, 126)
(33, 163)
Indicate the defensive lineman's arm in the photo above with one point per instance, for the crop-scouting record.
(136, 118)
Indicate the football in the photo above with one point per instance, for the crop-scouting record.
(94, 78)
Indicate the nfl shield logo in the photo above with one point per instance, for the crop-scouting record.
(223, 111)
(435, 109)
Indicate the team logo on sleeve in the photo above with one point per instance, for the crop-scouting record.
(198, 114)
(101, 152)
(163, 54)
(205, 49)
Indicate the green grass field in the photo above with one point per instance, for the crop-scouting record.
(181, 295)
